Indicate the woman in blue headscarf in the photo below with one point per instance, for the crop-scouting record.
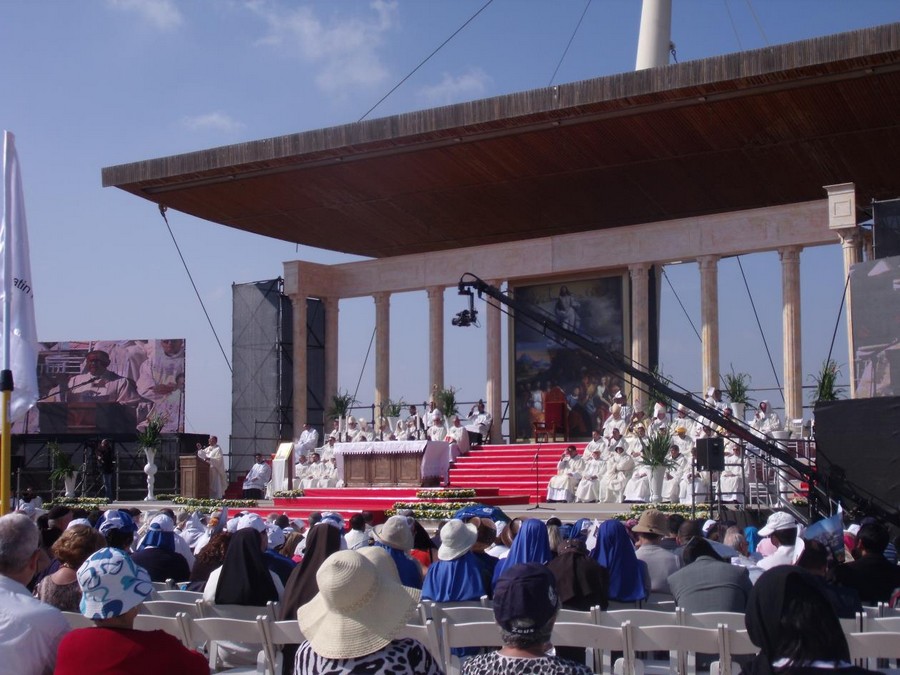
(628, 577)
(751, 534)
(532, 544)
(157, 552)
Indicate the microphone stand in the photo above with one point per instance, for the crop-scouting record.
(537, 483)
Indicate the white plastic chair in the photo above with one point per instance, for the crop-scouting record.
(78, 620)
(169, 608)
(637, 617)
(216, 630)
(208, 610)
(171, 624)
(276, 635)
(682, 643)
(602, 640)
(478, 634)
(875, 645)
(731, 620)
(178, 595)
(733, 643)
(426, 634)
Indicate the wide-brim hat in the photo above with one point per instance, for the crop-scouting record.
(652, 522)
(360, 607)
(395, 532)
(457, 539)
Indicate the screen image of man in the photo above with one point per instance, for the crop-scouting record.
(97, 384)
(161, 381)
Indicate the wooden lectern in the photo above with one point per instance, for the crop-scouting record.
(194, 477)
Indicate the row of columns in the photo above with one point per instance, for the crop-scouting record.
(640, 338)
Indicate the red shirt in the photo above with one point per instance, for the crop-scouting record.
(120, 651)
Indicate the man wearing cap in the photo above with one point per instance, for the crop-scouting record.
(781, 529)
(651, 528)
(29, 630)
(113, 589)
(257, 478)
(682, 419)
(614, 421)
(525, 608)
(660, 419)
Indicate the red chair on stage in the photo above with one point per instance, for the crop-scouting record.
(554, 418)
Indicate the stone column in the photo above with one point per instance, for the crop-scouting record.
(494, 393)
(790, 328)
(298, 303)
(640, 329)
(332, 315)
(382, 349)
(842, 220)
(709, 317)
(436, 337)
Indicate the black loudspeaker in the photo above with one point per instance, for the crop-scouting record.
(886, 228)
(711, 454)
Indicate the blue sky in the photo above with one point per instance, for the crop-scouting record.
(101, 82)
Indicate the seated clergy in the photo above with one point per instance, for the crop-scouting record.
(594, 469)
(637, 488)
(437, 431)
(671, 487)
(314, 472)
(561, 488)
(458, 436)
(329, 478)
(618, 471)
(694, 483)
(596, 442)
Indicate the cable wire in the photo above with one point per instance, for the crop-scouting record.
(365, 361)
(759, 325)
(758, 24)
(687, 316)
(425, 60)
(733, 26)
(569, 44)
(162, 211)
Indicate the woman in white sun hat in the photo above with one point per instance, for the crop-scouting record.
(350, 625)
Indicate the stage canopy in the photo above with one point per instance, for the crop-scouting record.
(740, 131)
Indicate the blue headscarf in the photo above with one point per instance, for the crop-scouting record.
(531, 545)
(454, 580)
(615, 552)
(581, 528)
(751, 534)
(408, 569)
(157, 537)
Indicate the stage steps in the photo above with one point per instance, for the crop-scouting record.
(510, 468)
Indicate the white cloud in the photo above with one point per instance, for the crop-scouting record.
(452, 89)
(345, 49)
(214, 121)
(162, 14)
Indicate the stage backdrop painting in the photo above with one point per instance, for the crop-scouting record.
(108, 387)
(591, 307)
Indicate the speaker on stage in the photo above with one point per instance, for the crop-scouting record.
(711, 454)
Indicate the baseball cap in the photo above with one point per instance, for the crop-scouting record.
(780, 520)
(525, 598)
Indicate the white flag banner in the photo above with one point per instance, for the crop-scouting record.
(20, 344)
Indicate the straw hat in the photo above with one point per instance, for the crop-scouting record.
(457, 539)
(360, 607)
(396, 533)
(652, 522)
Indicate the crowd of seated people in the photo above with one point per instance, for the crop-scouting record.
(356, 585)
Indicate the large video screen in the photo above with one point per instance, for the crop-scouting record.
(875, 289)
(107, 387)
(545, 368)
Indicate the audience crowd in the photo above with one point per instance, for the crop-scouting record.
(353, 586)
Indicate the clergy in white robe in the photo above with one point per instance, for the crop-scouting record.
(355, 433)
(764, 420)
(588, 489)
(314, 472)
(415, 430)
(257, 478)
(327, 450)
(329, 474)
(731, 480)
(694, 483)
(437, 431)
(671, 486)
(561, 488)
(308, 440)
(335, 432)
(618, 471)
(614, 421)
(637, 488)
(458, 436)
(595, 442)
(212, 455)
(683, 419)
(300, 469)
(660, 419)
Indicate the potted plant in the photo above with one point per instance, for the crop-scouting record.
(393, 410)
(655, 456)
(826, 382)
(149, 439)
(737, 388)
(445, 400)
(341, 403)
(63, 469)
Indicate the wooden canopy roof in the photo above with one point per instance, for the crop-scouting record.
(733, 132)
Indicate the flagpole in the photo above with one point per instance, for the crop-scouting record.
(6, 378)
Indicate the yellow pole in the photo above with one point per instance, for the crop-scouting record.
(5, 453)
